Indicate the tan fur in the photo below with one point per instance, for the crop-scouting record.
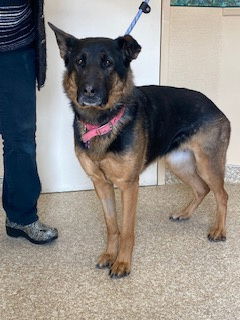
(119, 90)
(208, 147)
(70, 86)
(187, 172)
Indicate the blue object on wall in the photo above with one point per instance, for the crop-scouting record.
(206, 3)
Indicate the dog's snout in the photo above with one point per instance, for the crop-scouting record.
(89, 91)
(91, 95)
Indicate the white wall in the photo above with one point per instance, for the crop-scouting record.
(58, 167)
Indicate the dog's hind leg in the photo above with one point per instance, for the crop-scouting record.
(182, 163)
(209, 147)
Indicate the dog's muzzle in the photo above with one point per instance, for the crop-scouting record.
(90, 96)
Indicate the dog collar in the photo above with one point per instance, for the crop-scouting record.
(93, 130)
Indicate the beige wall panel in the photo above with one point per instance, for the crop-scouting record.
(203, 54)
(229, 79)
(195, 47)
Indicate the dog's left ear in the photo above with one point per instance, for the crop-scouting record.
(65, 41)
(129, 47)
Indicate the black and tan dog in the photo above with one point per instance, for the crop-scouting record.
(120, 129)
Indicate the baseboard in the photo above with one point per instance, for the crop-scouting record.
(232, 175)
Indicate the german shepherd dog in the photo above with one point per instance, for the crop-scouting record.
(120, 129)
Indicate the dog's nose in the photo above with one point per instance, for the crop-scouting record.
(89, 91)
(90, 95)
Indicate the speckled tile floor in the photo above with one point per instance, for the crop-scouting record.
(177, 273)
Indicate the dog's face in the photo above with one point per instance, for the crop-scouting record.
(97, 69)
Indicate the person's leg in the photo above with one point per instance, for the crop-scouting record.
(21, 184)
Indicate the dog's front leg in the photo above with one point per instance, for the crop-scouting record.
(122, 265)
(106, 194)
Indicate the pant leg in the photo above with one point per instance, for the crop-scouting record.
(21, 184)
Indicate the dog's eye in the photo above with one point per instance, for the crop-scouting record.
(80, 62)
(106, 63)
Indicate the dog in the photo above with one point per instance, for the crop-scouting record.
(120, 129)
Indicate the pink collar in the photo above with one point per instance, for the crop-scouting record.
(93, 130)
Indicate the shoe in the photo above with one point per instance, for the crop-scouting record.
(35, 232)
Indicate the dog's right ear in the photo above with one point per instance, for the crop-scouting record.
(65, 41)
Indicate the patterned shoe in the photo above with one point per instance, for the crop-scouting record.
(35, 232)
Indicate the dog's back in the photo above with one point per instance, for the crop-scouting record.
(173, 115)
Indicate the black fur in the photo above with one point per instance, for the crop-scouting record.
(172, 115)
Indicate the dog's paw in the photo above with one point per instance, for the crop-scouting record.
(119, 270)
(217, 235)
(106, 260)
(179, 217)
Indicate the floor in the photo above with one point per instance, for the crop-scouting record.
(177, 274)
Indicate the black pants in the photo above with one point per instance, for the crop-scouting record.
(21, 185)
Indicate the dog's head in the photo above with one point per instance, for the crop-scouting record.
(98, 71)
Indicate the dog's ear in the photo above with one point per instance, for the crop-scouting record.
(65, 41)
(129, 47)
